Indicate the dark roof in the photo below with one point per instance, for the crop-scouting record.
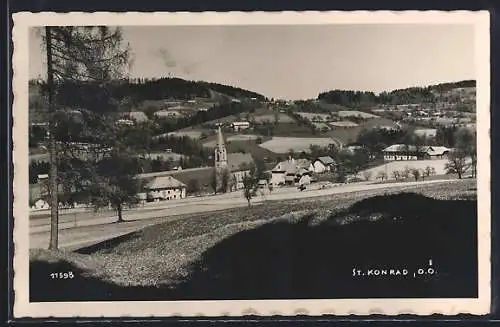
(326, 160)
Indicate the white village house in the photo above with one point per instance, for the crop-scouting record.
(165, 188)
(292, 171)
(323, 164)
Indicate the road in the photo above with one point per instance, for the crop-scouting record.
(82, 228)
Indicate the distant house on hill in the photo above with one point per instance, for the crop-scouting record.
(239, 125)
(165, 188)
(323, 164)
(290, 171)
(425, 132)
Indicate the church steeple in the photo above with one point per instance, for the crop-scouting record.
(220, 151)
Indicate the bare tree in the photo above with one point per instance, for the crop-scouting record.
(225, 181)
(416, 174)
(382, 175)
(396, 175)
(367, 175)
(249, 187)
(406, 172)
(457, 163)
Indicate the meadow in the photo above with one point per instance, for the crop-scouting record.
(288, 249)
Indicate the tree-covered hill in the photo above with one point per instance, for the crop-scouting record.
(360, 99)
(136, 91)
(167, 88)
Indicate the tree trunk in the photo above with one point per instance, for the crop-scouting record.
(459, 174)
(119, 210)
(249, 204)
(54, 202)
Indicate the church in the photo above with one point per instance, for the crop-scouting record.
(236, 165)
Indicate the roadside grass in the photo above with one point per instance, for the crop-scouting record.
(284, 249)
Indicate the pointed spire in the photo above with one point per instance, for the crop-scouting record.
(220, 138)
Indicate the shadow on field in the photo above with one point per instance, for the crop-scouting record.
(316, 260)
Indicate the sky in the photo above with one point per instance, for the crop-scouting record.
(298, 61)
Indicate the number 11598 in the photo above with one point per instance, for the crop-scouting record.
(62, 275)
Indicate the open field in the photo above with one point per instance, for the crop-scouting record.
(237, 137)
(248, 253)
(298, 144)
(195, 134)
(390, 167)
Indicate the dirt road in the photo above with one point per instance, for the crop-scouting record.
(78, 229)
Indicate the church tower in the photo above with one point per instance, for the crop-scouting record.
(220, 158)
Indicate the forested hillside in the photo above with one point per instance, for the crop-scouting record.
(360, 99)
(136, 91)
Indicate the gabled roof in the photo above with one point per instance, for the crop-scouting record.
(437, 150)
(325, 160)
(292, 167)
(164, 182)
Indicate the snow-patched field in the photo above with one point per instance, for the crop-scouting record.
(390, 167)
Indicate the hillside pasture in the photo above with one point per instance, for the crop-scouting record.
(212, 142)
(297, 144)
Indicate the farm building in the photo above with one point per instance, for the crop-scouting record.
(401, 152)
(411, 152)
(239, 125)
(436, 152)
(290, 171)
(323, 164)
(165, 188)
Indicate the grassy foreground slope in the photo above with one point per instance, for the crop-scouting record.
(299, 249)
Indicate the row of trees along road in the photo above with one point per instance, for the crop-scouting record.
(95, 57)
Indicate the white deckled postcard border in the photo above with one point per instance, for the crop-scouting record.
(23, 308)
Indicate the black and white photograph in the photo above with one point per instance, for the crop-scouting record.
(235, 164)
